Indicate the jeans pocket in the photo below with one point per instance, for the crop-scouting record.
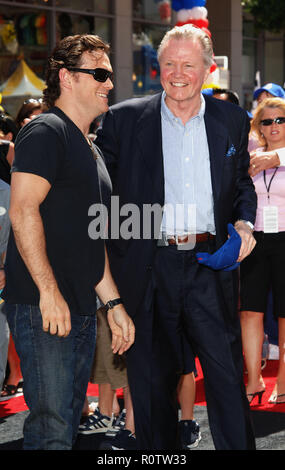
(86, 323)
(12, 313)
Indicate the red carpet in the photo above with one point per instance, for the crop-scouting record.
(15, 405)
(269, 375)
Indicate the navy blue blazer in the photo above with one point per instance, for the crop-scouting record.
(130, 139)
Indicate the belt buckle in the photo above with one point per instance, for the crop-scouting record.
(188, 244)
(181, 242)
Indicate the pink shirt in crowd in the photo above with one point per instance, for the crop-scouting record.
(277, 195)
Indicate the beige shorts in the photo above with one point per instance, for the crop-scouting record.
(103, 368)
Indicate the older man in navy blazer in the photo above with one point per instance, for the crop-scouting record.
(187, 154)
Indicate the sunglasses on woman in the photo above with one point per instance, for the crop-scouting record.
(100, 75)
(268, 122)
(34, 101)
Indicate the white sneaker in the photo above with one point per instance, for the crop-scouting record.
(118, 424)
(96, 423)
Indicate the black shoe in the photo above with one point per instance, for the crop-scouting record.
(123, 440)
(190, 435)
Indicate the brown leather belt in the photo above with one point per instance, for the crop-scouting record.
(198, 237)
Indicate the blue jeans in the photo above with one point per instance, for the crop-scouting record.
(4, 342)
(56, 372)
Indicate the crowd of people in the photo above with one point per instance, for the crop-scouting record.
(135, 312)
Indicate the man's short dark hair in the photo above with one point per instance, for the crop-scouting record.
(231, 95)
(68, 53)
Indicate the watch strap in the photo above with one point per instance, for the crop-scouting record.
(112, 303)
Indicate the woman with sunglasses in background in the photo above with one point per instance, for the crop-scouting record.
(29, 109)
(264, 269)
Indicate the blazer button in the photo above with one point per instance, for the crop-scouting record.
(149, 268)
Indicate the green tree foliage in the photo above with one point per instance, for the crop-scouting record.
(268, 14)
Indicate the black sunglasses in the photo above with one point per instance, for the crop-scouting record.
(100, 75)
(268, 122)
(34, 101)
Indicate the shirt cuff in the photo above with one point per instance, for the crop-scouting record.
(247, 222)
(281, 155)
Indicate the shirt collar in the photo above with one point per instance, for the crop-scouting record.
(167, 114)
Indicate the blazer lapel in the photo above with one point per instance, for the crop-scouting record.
(217, 136)
(149, 141)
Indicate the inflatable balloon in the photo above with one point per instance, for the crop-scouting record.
(193, 12)
(187, 4)
(164, 10)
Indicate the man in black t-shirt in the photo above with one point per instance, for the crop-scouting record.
(53, 266)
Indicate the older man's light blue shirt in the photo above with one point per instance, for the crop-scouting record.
(188, 187)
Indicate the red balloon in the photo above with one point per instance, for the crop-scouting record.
(165, 11)
(199, 23)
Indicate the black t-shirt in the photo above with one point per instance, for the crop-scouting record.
(53, 147)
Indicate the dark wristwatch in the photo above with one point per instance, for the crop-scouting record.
(112, 303)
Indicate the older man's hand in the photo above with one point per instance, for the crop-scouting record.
(248, 241)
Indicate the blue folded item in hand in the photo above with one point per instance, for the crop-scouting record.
(225, 258)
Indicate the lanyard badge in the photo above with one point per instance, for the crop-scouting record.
(270, 213)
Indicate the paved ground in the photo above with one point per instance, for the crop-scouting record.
(269, 431)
